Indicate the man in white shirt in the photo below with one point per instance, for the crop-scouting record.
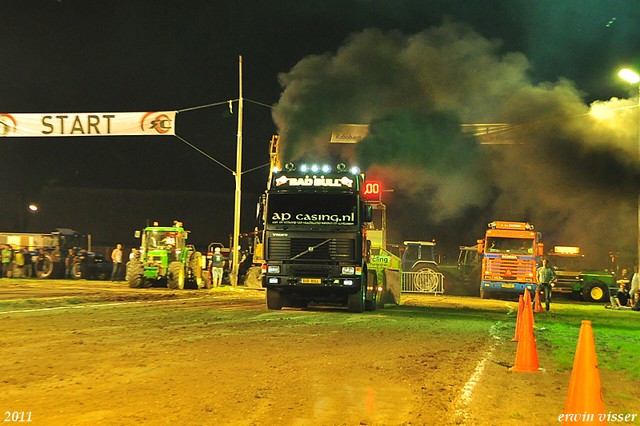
(116, 258)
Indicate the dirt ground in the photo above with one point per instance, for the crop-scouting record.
(96, 353)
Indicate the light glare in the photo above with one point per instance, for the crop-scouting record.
(629, 76)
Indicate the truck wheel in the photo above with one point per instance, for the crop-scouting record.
(355, 302)
(44, 267)
(175, 276)
(195, 267)
(473, 287)
(484, 294)
(274, 299)
(595, 291)
(135, 272)
(372, 281)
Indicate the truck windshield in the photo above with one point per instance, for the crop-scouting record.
(510, 245)
(312, 209)
(161, 240)
(568, 263)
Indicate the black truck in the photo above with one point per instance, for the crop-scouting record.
(315, 244)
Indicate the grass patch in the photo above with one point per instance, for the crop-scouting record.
(616, 335)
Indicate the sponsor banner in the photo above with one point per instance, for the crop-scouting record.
(349, 133)
(315, 181)
(287, 218)
(88, 124)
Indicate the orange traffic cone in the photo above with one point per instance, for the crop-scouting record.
(527, 354)
(584, 400)
(527, 307)
(537, 303)
(519, 319)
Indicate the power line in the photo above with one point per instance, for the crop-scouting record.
(204, 153)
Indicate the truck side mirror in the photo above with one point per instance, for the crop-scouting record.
(136, 234)
(540, 249)
(368, 213)
(480, 246)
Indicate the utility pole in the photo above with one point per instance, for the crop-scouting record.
(236, 218)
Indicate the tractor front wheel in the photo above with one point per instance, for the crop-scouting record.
(175, 276)
(135, 272)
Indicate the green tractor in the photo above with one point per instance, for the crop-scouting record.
(165, 257)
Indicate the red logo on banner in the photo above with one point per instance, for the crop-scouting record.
(7, 124)
(159, 124)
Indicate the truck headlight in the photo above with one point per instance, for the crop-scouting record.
(273, 269)
(348, 270)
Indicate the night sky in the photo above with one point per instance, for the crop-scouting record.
(320, 62)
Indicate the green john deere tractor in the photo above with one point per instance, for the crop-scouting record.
(165, 257)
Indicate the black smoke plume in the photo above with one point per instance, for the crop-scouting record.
(569, 168)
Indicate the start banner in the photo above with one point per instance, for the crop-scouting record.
(88, 124)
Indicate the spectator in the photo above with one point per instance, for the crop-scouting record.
(83, 258)
(19, 263)
(116, 258)
(622, 297)
(41, 262)
(134, 255)
(217, 265)
(28, 263)
(68, 264)
(546, 276)
(624, 277)
(636, 296)
(7, 256)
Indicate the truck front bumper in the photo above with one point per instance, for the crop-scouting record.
(506, 286)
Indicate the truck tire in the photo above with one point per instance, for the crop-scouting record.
(595, 291)
(372, 281)
(195, 269)
(134, 275)
(44, 267)
(484, 294)
(473, 285)
(355, 302)
(274, 299)
(175, 276)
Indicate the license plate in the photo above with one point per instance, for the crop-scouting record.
(508, 286)
(311, 281)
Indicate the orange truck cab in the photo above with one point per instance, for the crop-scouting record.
(511, 253)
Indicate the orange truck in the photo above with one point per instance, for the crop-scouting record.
(510, 255)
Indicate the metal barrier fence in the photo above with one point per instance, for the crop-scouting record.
(423, 281)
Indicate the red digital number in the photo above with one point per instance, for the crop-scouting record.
(372, 188)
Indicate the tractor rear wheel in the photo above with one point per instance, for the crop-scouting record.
(175, 276)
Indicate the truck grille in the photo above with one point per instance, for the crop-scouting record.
(283, 248)
(310, 271)
(509, 269)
